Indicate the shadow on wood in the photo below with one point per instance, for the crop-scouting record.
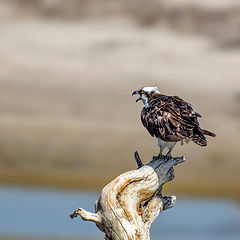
(130, 203)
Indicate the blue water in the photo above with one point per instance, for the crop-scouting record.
(45, 213)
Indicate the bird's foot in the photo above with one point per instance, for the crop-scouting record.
(160, 155)
(168, 156)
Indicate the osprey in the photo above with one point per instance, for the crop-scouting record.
(170, 119)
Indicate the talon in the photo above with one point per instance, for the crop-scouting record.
(168, 156)
(160, 156)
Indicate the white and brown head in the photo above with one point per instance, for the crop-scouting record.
(146, 93)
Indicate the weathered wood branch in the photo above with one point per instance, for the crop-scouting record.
(130, 203)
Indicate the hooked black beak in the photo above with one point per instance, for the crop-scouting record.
(136, 92)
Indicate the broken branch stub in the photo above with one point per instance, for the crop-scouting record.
(130, 203)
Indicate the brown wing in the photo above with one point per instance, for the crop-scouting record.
(170, 118)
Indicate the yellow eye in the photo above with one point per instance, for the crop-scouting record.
(142, 92)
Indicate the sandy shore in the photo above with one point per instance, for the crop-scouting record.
(68, 118)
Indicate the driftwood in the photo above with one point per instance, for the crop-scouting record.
(130, 203)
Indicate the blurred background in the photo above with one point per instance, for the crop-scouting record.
(69, 124)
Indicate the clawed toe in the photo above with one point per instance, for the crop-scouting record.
(168, 156)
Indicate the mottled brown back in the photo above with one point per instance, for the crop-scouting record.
(172, 119)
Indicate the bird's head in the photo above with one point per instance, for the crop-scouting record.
(146, 93)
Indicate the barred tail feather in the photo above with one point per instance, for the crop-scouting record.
(200, 140)
(206, 132)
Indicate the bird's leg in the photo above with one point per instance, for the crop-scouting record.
(168, 155)
(160, 155)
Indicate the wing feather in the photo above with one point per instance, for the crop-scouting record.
(170, 118)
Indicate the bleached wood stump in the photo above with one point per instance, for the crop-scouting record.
(130, 203)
